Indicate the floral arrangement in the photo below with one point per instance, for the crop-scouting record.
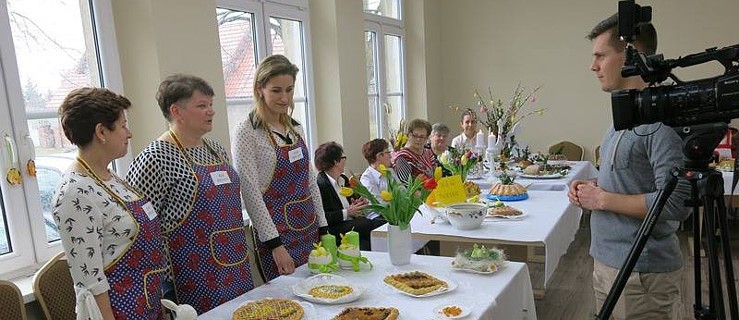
(459, 162)
(502, 118)
(399, 202)
(398, 138)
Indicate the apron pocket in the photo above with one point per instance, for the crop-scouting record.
(153, 285)
(299, 214)
(228, 246)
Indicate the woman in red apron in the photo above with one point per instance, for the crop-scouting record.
(110, 233)
(272, 158)
(196, 192)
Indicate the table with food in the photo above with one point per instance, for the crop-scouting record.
(476, 284)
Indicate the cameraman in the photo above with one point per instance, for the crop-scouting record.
(635, 164)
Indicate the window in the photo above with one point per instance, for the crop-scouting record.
(244, 42)
(56, 47)
(385, 65)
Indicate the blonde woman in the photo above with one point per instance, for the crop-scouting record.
(272, 157)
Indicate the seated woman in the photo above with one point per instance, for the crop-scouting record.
(414, 159)
(468, 123)
(438, 144)
(109, 230)
(343, 214)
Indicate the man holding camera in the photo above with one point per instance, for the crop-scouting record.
(635, 164)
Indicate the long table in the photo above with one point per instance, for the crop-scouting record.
(506, 294)
(550, 223)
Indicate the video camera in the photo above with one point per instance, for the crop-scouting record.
(700, 101)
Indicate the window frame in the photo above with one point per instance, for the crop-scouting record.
(27, 231)
(384, 26)
(296, 10)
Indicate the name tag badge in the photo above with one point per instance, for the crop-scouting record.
(295, 154)
(220, 177)
(149, 210)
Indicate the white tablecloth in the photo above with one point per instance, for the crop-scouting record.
(550, 220)
(580, 170)
(505, 294)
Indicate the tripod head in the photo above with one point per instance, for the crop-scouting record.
(699, 141)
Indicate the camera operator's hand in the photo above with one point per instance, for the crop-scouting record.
(572, 192)
(591, 197)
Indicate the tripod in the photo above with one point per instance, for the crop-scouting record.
(707, 190)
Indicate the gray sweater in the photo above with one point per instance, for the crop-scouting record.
(639, 161)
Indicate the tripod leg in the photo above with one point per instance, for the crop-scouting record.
(698, 310)
(728, 264)
(714, 274)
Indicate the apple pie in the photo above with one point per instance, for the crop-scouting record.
(269, 308)
(365, 313)
(416, 283)
(330, 291)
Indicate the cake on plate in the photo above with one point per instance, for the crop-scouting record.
(507, 186)
(367, 313)
(269, 308)
(416, 283)
(330, 291)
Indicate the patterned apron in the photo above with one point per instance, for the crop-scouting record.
(136, 276)
(208, 249)
(291, 207)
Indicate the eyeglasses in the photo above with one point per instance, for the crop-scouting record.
(421, 136)
(343, 157)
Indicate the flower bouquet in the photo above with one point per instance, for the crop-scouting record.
(501, 119)
(459, 162)
(399, 202)
(398, 138)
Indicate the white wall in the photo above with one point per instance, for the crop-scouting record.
(504, 42)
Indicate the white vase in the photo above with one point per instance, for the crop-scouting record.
(399, 245)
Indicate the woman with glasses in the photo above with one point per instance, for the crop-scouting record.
(414, 159)
(343, 214)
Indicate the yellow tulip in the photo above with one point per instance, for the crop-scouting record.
(382, 169)
(437, 173)
(464, 160)
(346, 192)
(386, 195)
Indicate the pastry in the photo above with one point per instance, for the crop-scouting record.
(504, 211)
(500, 189)
(330, 291)
(416, 283)
(471, 188)
(269, 308)
(366, 313)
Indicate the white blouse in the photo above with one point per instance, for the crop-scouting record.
(255, 159)
(94, 229)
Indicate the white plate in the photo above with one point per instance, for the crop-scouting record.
(451, 285)
(543, 176)
(500, 267)
(496, 217)
(302, 288)
(440, 315)
(309, 311)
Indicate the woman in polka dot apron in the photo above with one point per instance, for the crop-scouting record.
(110, 232)
(280, 191)
(199, 191)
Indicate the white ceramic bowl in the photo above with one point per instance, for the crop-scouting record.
(466, 216)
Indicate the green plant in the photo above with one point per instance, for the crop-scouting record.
(459, 162)
(399, 202)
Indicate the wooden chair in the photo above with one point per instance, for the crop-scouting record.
(572, 152)
(54, 289)
(11, 301)
(596, 153)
